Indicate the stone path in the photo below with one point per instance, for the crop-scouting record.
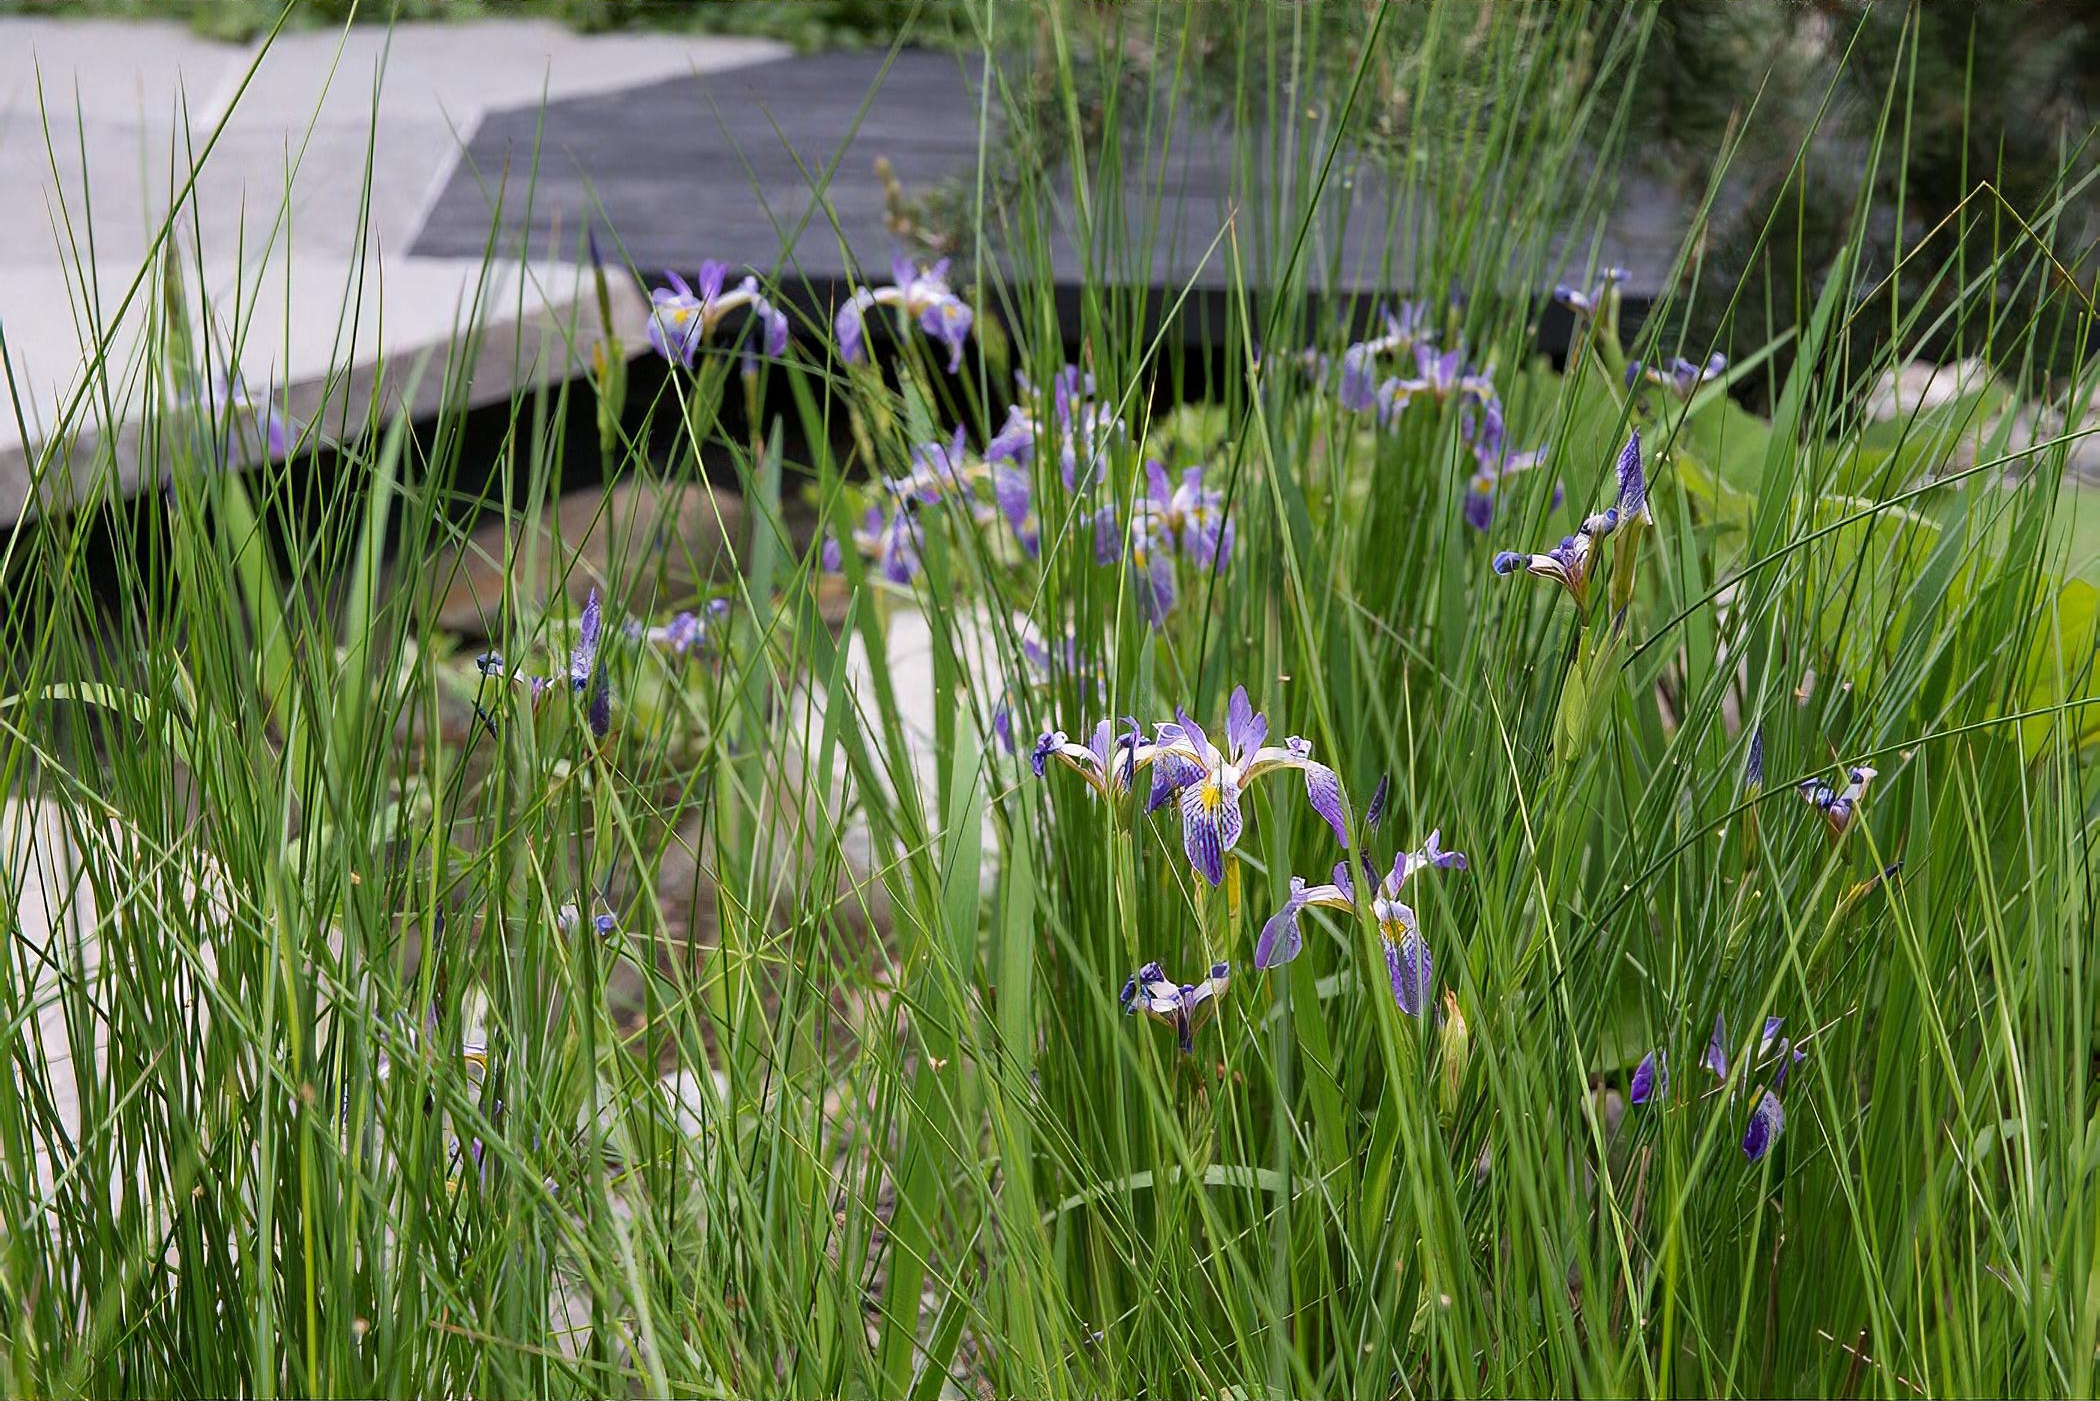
(487, 147)
(323, 289)
(722, 165)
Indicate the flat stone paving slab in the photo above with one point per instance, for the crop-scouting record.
(358, 185)
(726, 165)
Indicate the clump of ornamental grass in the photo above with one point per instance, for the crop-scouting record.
(750, 997)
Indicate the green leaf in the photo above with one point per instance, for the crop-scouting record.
(2062, 669)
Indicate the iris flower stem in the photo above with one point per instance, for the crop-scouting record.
(754, 414)
(1610, 347)
(1122, 864)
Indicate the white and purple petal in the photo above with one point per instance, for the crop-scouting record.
(583, 659)
(850, 326)
(1633, 482)
(1211, 824)
(1280, 940)
(1108, 536)
(1245, 728)
(1323, 789)
(1012, 492)
(1716, 1057)
(1409, 966)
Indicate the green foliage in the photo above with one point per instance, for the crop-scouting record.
(336, 1085)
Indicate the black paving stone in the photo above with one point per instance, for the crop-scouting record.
(723, 166)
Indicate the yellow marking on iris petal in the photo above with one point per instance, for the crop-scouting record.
(1212, 795)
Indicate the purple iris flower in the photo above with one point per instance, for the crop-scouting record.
(1152, 572)
(830, 558)
(937, 470)
(921, 293)
(1183, 1006)
(605, 924)
(1483, 427)
(1280, 940)
(946, 471)
(1086, 428)
(1168, 520)
(1108, 761)
(1211, 780)
(1407, 960)
(1767, 1119)
(1108, 536)
(1767, 1111)
(1682, 376)
(1359, 386)
(687, 631)
(1408, 963)
(1716, 1057)
(682, 316)
(1081, 428)
(585, 678)
(1568, 563)
(1586, 303)
(1375, 813)
(1839, 808)
(1496, 467)
(1440, 375)
(1754, 765)
(1015, 440)
(1189, 516)
(1430, 856)
(1014, 495)
(1633, 487)
(891, 542)
(1651, 1078)
(248, 430)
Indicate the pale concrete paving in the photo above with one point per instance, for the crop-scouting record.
(316, 162)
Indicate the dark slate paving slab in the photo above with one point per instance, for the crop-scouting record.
(723, 166)
(718, 166)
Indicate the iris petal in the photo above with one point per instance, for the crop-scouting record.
(1650, 1078)
(1201, 838)
(1324, 791)
(1244, 729)
(1280, 940)
(1716, 1057)
(1411, 969)
(1767, 1119)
